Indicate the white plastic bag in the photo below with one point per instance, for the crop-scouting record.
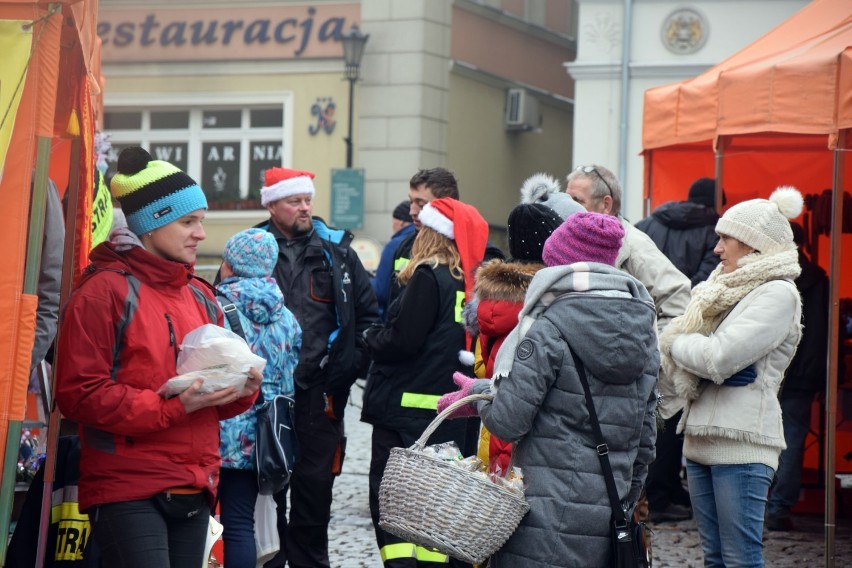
(266, 539)
(219, 356)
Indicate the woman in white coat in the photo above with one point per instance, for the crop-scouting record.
(726, 356)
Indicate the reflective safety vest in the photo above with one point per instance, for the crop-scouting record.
(402, 395)
(410, 550)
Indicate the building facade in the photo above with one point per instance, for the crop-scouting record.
(226, 90)
(666, 42)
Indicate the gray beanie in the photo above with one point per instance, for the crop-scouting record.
(544, 189)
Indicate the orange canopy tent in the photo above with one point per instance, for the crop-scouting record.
(776, 113)
(49, 99)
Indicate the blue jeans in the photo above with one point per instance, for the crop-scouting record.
(163, 531)
(796, 411)
(728, 502)
(237, 497)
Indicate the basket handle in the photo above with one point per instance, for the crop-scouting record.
(421, 441)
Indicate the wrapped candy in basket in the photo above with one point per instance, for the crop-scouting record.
(436, 504)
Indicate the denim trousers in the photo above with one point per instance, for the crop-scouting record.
(167, 531)
(237, 497)
(796, 410)
(729, 502)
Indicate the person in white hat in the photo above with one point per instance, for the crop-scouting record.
(726, 357)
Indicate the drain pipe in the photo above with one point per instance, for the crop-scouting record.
(625, 98)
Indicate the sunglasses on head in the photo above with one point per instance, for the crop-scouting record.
(590, 169)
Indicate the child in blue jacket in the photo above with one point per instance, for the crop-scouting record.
(272, 332)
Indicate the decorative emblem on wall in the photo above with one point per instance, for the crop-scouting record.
(323, 110)
(604, 31)
(684, 31)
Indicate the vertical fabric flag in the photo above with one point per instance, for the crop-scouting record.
(16, 40)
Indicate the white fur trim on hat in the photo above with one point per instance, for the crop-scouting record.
(430, 217)
(300, 185)
(537, 187)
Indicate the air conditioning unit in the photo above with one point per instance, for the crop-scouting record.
(521, 110)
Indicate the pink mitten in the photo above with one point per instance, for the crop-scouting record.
(464, 383)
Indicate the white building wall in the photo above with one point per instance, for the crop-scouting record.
(729, 25)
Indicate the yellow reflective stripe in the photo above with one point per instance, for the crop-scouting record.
(72, 533)
(426, 555)
(67, 511)
(424, 401)
(459, 306)
(398, 550)
(400, 263)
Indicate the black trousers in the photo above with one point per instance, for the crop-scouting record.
(304, 539)
(397, 553)
(663, 485)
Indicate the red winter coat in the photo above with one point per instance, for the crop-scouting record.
(119, 340)
(500, 288)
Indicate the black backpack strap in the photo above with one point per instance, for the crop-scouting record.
(230, 311)
(619, 515)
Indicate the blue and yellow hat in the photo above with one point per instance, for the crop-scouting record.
(153, 193)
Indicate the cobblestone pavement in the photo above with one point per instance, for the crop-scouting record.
(352, 542)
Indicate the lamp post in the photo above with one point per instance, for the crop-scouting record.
(353, 51)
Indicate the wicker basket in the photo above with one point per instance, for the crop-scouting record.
(437, 505)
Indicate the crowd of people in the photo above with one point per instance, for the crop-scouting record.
(689, 322)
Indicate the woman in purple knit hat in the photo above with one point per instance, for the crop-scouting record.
(578, 305)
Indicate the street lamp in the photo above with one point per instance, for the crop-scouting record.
(353, 51)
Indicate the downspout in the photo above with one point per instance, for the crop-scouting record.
(625, 97)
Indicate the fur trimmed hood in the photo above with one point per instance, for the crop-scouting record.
(506, 281)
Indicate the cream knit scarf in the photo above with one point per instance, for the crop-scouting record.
(711, 301)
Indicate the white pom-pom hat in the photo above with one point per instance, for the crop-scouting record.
(763, 224)
(544, 189)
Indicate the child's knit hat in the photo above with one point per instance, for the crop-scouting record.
(251, 253)
(153, 193)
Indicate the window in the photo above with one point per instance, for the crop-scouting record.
(227, 149)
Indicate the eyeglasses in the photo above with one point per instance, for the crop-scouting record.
(590, 169)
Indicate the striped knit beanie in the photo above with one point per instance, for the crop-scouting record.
(153, 193)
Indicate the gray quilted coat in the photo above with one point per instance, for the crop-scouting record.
(608, 319)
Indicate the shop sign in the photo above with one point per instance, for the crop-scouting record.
(347, 198)
(253, 32)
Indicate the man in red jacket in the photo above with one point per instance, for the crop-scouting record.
(149, 466)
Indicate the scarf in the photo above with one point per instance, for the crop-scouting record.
(713, 299)
(547, 285)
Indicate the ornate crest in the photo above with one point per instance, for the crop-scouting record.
(684, 31)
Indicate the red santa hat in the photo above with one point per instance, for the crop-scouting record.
(284, 182)
(465, 226)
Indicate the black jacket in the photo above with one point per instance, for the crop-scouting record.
(807, 370)
(686, 233)
(330, 294)
(403, 254)
(415, 355)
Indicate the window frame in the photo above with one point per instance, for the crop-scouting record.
(196, 135)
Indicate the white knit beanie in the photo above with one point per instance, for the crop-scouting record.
(763, 224)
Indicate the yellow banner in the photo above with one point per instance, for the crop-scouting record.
(15, 44)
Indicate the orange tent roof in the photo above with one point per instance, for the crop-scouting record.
(795, 79)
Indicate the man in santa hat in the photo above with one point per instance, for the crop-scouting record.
(329, 292)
